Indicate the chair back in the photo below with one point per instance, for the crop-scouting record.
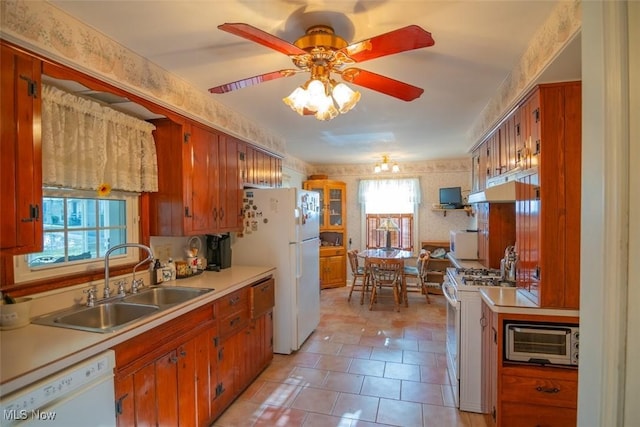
(423, 264)
(385, 271)
(353, 260)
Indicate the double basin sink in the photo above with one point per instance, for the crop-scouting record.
(118, 313)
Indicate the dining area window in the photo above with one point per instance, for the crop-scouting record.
(390, 209)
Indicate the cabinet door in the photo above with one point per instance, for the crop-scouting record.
(229, 206)
(166, 374)
(332, 271)
(125, 401)
(204, 180)
(228, 371)
(335, 199)
(204, 372)
(475, 171)
(144, 384)
(21, 162)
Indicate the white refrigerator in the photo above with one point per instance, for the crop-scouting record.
(281, 229)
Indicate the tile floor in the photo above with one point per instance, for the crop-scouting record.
(360, 368)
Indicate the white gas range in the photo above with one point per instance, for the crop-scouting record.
(464, 332)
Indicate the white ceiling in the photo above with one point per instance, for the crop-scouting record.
(477, 43)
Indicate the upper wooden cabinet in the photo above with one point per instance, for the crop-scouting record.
(198, 181)
(21, 161)
(548, 199)
(259, 168)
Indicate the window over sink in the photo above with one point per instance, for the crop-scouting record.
(78, 229)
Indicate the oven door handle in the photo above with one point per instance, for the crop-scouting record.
(449, 293)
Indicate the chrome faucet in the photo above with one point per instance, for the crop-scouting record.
(107, 291)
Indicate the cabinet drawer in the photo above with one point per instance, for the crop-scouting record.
(523, 415)
(326, 251)
(543, 391)
(233, 303)
(231, 324)
(262, 297)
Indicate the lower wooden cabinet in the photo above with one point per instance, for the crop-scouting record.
(333, 270)
(186, 372)
(525, 415)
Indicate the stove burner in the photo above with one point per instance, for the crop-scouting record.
(479, 272)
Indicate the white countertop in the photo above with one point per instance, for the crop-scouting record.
(33, 352)
(513, 301)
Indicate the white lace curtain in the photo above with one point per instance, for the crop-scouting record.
(405, 191)
(85, 145)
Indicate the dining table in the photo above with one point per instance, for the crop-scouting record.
(384, 253)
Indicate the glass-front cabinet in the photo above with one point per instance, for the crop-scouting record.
(332, 230)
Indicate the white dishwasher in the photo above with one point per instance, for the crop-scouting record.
(81, 395)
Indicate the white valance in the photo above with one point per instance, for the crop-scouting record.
(85, 145)
(408, 189)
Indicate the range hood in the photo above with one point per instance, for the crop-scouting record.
(499, 193)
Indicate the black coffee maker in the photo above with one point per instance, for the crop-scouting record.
(218, 251)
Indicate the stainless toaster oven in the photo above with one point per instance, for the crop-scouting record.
(542, 343)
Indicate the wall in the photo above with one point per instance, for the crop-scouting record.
(433, 174)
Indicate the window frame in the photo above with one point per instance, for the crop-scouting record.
(24, 274)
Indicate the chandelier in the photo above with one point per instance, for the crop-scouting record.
(386, 166)
(322, 96)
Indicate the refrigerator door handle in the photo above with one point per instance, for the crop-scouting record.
(299, 262)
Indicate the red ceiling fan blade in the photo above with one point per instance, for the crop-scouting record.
(400, 40)
(382, 84)
(251, 81)
(258, 36)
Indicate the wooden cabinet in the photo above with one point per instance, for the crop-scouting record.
(198, 181)
(496, 231)
(259, 168)
(333, 269)
(333, 215)
(162, 376)
(519, 394)
(188, 371)
(21, 229)
(548, 199)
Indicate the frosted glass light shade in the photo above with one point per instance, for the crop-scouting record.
(297, 100)
(345, 97)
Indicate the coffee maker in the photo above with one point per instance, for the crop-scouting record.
(218, 251)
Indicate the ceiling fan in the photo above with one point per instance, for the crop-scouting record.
(322, 53)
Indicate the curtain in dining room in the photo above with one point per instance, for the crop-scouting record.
(389, 192)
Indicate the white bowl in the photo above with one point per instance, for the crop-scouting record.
(13, 316)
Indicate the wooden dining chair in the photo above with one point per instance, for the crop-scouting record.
(385, 273)
(418, 275)
(360, 279)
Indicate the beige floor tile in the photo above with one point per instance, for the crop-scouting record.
(320, 420)
(273, 416)
(363, 408)
(315, 400)
(386, 355)
(401, 371)
(399, 413)
(242, 413)
(381, 387)
(333, 363)
(275, 394)
(321, 347)
(421, 392)
(355, 351)
(419, 358)
(306, 377)
(367, 367)
(340, 381)
(434, 375)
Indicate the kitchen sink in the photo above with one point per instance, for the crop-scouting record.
(106, 317)
(115, 314)
(165, 296)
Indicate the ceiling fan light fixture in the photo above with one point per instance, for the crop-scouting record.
(395, 168)
(376, 168)
(345, 97)
(297, 100)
